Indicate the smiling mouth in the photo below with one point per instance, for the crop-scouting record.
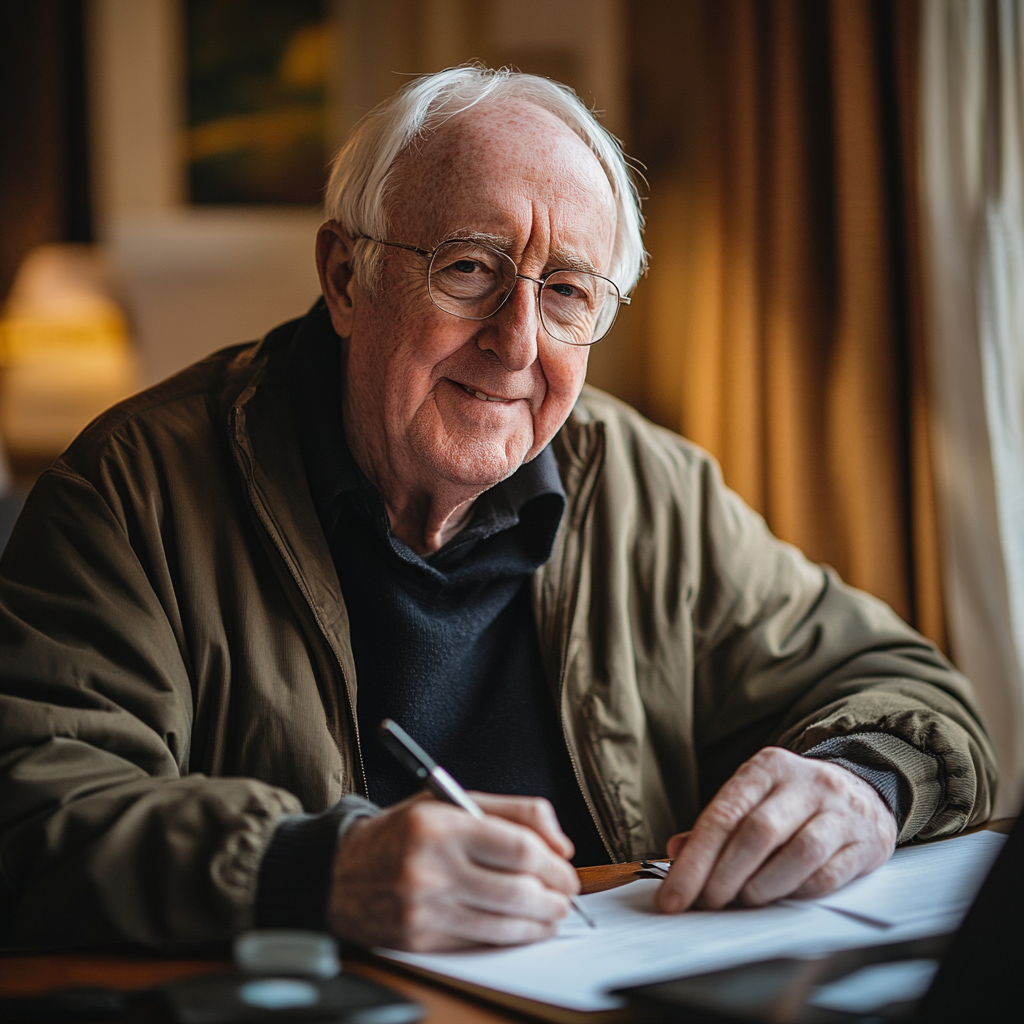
(482, 395)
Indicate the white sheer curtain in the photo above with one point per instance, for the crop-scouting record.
(972, 107)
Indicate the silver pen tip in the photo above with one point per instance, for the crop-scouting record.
(578, 907)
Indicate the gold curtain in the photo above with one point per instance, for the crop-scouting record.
(780, 324)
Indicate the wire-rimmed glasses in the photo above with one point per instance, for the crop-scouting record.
(472, 280)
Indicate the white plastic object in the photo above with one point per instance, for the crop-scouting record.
(287, 951)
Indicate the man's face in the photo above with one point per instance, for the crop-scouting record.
(414, 373)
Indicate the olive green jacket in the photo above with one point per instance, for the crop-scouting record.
(176, 672)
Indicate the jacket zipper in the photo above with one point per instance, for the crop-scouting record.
(264, 519)
(584, 494)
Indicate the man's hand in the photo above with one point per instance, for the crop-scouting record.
(783, 825)
(424, 876)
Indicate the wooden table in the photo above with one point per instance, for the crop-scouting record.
(26, 975)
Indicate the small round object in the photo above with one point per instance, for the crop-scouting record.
(278, 994)
(287, 951)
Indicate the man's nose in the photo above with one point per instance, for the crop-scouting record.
(516, 328)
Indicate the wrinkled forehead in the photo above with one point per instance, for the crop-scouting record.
(500, 167)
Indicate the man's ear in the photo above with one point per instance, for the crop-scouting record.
(334, 264)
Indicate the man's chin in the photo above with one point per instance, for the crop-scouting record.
(475, 466)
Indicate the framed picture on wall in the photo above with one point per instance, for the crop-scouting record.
(256, 83)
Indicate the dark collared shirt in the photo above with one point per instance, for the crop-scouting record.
(446, 645)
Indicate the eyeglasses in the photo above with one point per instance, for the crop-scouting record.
(473, 281)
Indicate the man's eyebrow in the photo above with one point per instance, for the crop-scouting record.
(559, 259)
(502, 242)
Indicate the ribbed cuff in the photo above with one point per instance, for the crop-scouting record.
(907, 779)
(861, 758)
(295, 874)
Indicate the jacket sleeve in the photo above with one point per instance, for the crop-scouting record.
(105, 836)
(787, 654)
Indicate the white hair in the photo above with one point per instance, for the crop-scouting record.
(357, 189)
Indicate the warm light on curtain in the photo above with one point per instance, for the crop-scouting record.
(781, 315)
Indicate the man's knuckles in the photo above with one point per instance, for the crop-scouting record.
(520, 895)
(858, 801)
(724, 814)
(832, 875)
(831, 781)
(534, 811)
(419, 880)
(524, 851)
(765, 828)
(431, 827)
(774, 762)
(441, 841)
(813, 843)
(541, 817)
(753, 780)
(536, 902)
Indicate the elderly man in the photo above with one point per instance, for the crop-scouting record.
(407, 504)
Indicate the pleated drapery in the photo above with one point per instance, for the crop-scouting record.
(972, 77)
(780, 323)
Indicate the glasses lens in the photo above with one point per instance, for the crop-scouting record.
(578, 308)
(470, 280)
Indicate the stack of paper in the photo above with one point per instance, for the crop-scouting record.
(924, 890)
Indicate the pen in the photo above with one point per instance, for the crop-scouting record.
(417, 761)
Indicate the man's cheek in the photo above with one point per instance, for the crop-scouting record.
(555, 409)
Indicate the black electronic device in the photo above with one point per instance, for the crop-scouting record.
(245, 999)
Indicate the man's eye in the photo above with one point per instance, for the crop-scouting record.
(464, 266)
(567, 291)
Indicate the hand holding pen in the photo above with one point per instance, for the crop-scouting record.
(427, 876)
(423, 767)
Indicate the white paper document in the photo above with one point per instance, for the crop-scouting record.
(634, 944)
(921, 881)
